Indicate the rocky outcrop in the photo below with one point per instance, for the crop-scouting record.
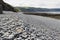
(6, 6)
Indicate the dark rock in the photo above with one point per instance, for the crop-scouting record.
(1, 9)
(32, 39)
(7, 39)
(1, 34)
(6, 6)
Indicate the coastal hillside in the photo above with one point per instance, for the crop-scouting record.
(33, 9)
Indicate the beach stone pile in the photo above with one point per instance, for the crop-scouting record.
(13, 28)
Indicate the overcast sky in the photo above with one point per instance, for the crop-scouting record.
(35, 3)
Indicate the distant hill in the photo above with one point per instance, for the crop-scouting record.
(55, 10)
(33, 9)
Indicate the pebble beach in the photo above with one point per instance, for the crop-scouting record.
(12, 27)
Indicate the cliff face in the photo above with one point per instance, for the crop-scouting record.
(6, 6)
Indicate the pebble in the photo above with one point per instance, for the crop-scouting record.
(14, 28)
(19, 30)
